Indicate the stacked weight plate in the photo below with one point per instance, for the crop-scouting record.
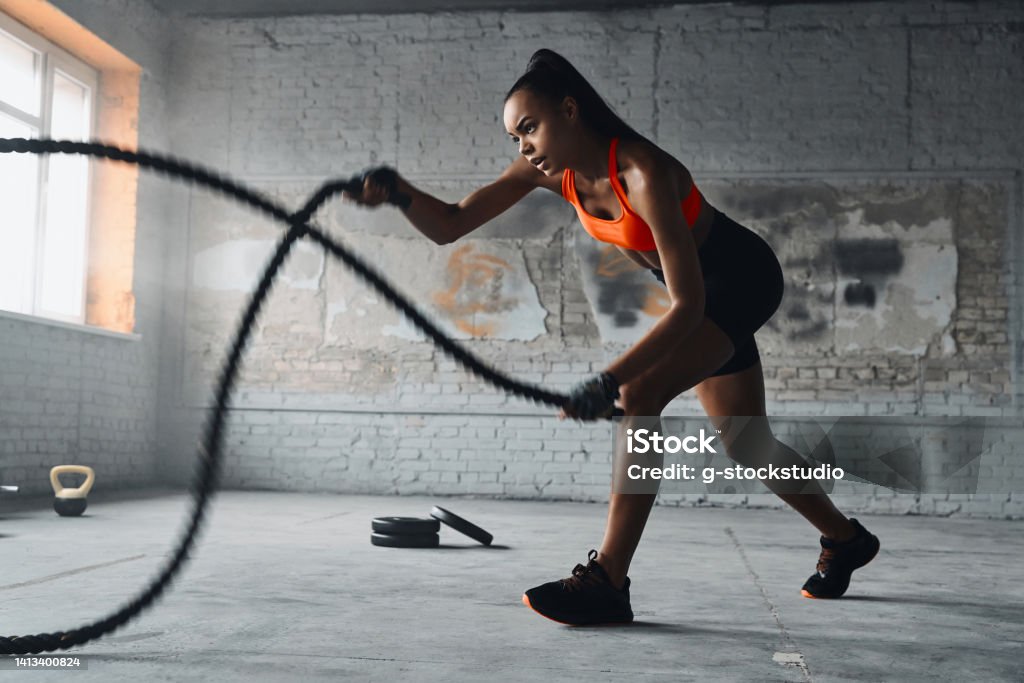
(419, 532)
(405, 532)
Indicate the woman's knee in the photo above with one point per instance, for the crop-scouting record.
(748, 440)
(638, 398)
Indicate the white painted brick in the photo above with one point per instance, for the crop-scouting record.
(382, 76)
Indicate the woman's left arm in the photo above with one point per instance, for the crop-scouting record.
(655, 197)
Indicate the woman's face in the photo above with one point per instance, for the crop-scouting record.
(542, 133)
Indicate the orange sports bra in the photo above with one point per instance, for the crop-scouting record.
(628, 230)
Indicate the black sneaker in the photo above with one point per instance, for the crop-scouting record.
(837, 562)
(586, 597)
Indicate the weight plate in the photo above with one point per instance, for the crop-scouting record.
(405, 525)
(404, 540)
(461, 525)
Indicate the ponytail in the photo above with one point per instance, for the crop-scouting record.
(550, 75)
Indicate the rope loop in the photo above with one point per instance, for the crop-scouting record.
(211, 445)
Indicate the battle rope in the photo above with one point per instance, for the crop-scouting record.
(205, 482)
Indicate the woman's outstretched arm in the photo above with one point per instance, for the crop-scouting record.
(443, 222)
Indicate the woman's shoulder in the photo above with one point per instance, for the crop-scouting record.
(641, 158)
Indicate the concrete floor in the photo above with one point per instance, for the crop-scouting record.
(287, 587)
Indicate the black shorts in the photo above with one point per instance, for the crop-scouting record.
(743, 286)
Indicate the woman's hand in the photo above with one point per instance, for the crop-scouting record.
(592, 399)
(379, 186)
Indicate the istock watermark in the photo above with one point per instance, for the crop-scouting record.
(709, 475)
(646, 441)
(796, 454)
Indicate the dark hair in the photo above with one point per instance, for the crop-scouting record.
(550, 75)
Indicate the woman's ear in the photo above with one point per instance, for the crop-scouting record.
(569, 108)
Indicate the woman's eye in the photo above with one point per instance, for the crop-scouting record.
(515, 141)
(530, 128)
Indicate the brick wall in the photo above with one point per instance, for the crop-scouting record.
(812, 95)
(72, 395)
(809, 94)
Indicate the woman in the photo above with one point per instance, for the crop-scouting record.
(723, 280)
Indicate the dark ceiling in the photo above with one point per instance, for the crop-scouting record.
(272, 8)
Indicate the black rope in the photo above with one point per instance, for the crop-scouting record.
(205, 482)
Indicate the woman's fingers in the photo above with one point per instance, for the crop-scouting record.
(567, 412)
(373, 193)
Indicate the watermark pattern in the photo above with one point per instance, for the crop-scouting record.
(787, 454)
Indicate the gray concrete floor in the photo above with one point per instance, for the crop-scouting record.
(287, 587)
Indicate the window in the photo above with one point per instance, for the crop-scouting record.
(44, 93)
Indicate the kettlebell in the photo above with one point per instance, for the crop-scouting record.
(71, 502)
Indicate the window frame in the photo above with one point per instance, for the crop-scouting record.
(53, 59)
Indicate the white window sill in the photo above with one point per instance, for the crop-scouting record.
(76, 327)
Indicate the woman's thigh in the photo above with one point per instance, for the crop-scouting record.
(696, 358)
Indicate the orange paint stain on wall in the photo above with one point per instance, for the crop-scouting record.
(613, 262)
(475, 282)
(657, 301)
